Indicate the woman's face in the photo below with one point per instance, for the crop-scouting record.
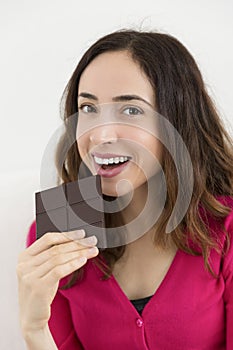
(116, 123)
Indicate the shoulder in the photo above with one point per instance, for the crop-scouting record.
(218, 225)
(227, 266)
(226, 200)
(228, 220)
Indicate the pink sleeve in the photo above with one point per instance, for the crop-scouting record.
(60, 322)
(61, 325)
(228, 277)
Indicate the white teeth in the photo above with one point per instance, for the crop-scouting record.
(107, 161)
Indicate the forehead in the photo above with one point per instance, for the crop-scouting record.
(114, 73)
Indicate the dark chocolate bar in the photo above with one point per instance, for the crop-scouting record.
(72, 206)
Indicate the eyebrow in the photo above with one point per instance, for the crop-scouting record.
(116, 98)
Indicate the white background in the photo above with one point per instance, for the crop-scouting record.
(41, 44)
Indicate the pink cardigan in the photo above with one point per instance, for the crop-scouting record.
(190, 310)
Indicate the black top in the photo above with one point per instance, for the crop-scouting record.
(140, 303)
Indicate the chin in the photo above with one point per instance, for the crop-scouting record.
(121, 188)
(109, 192)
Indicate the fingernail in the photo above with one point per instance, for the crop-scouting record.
(77, 234)
(93, 250)
(89, 240)
(82, 260)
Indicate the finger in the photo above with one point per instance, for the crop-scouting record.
(51, 238)
(62, 259)
(51, 278)
(63, 248)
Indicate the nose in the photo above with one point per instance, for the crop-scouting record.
(103, 134)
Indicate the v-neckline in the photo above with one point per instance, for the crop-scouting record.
(158, 291)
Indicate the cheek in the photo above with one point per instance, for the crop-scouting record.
(149, 154)
(148, 144)
(156, 148)
(82, 144)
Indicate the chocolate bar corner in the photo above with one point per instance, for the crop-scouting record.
(72, 206)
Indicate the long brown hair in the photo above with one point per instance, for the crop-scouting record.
(181, 98)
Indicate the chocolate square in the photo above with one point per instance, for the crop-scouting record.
(72, 206)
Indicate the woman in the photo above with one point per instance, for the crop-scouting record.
(158, 290)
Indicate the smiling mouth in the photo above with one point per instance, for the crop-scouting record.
(111, 163)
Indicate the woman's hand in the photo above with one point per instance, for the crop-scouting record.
(41, 266)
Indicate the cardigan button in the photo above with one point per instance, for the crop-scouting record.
(139, 322)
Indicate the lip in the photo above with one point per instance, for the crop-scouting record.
(110, 172)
